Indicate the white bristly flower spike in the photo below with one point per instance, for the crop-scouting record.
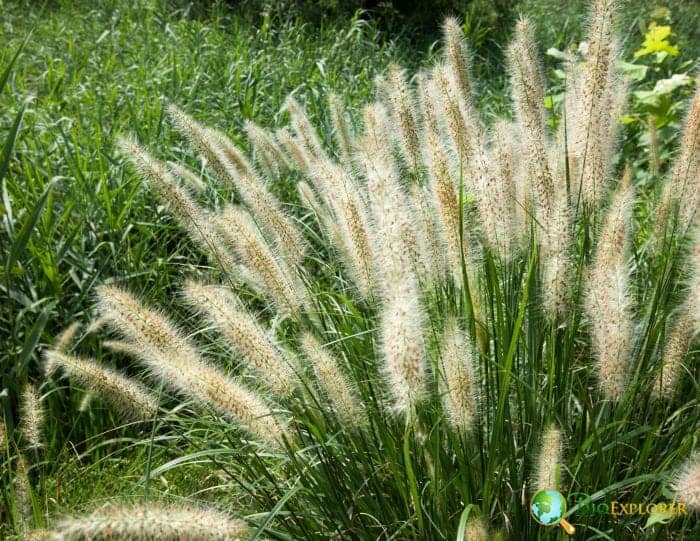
(244, 333)
(31, 417)
(549, 460)
(152, 521)
(174, 360)
(686, 485)
(457, 378)
(608, 303)
(341, 393)
(129, 397)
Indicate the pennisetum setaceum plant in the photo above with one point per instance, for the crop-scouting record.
(452, 316)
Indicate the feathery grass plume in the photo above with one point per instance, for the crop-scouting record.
(426, 102)
(475, 530)
(674, 353)
(429, 240)
(549, 460)
(194, 219)
(457, 383)
(300, 156)
(42, 535)
(613, 332)
(686, 484)
(32, 417)
(504, 156)
(353, 225)
(608, 304)
(443, 190)
(684, 329)
(267, 152)
(402, 109)
(85, 401)
(244, 333)
(403, 347)
(95, 325)
(693, 300)
(342, 130)
(381, 88)
(264, 206)
(281, 282)
(340, 391)
(310, 200)
(528, 101)
(201, 139)
(555, 254)
(395, 246)
(175, 361)
(3, 437)
(615, 234)
(303, 128)
(469, 147)
(682, 189)
(190, 178)
(598, 162)
(495, 204)
(594, 98)
(153, 521)
(125, 394)
(457, 62)
(348, 227)
(229, 154)
(22, 494)
(452, 114)
(402, 314)
(66, 337)
(333, 180)
(121, 346)
(233, 167)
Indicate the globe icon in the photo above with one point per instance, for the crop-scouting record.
(548, 506)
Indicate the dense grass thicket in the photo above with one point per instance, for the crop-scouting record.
(507, 382)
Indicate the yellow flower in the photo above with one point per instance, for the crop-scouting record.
(655, 41)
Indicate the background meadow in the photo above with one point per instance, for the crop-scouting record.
(75, 75)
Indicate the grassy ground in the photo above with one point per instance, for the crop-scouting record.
(73, 216)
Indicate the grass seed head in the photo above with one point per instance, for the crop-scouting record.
(153, 521)
(129, 397)
(686, 485)
(31, 417)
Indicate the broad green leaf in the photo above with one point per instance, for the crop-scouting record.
(10, 143)
(666, 86)
(8, 69)
(30, 221)
(637, 72)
